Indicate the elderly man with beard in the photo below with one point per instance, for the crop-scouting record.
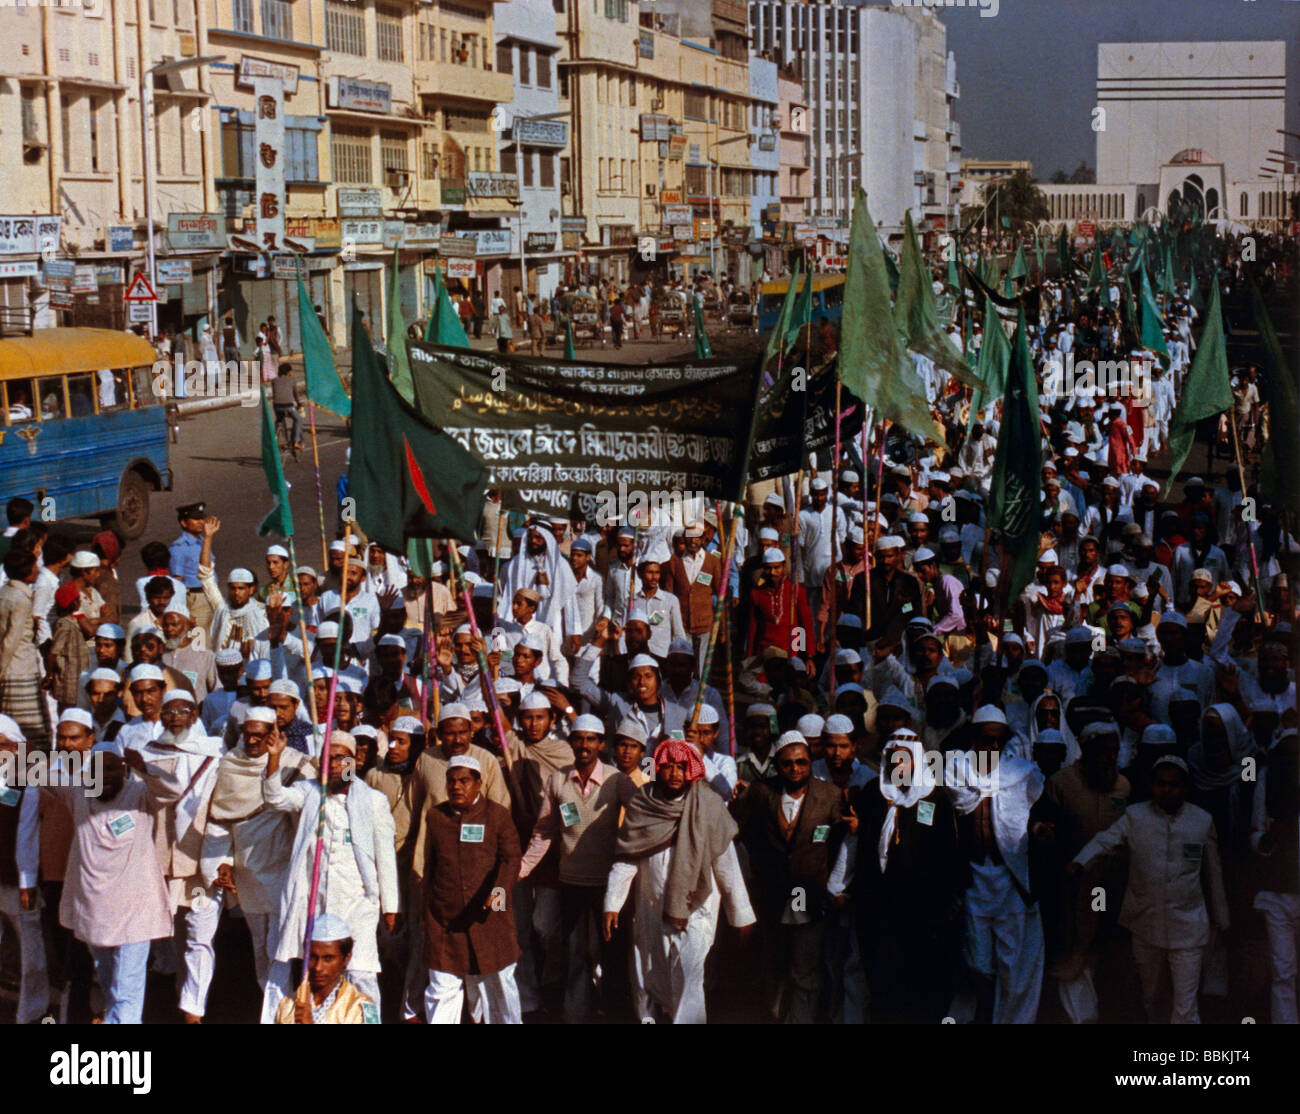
(994, 794)
(247, 847)
(794, 835)
(540, 566)
(676, 844)
(1079, 801)
(361, 883)
(180, 769)
(197, 666)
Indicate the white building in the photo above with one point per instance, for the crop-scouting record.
(881, 89)
(765, 158)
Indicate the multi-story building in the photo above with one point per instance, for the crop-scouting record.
(764, 161)
(534, 133)
(796, 178)
(880, 88)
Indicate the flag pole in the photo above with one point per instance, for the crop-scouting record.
(730, 694)
(480, 652)
(496, 568)
(835, 527)
(320, 494)
(717, 616)
(430, 651)
(325, 752)
(1250, 537)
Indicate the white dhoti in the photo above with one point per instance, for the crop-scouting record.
(1177, 968)
(1282, 921)
(34, 989)
(195, 929)
(493, 999)
(1004, 942)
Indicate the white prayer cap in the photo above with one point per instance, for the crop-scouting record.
(773, 557)
(856, 535)
(950, 534)
(1049, 557)
(1195, 481)
(408, 724)
(259, 669)
(392, 640)
(811, 726)
(466, 760)
(482, 591)
(327, 630)
(177, 607)
(760, 711)
(506, 684)
(229, 655)
(849, 688)
(1097, 729)
(1012, 639)
(789, 739)
(148, 632)
(1172, 619)
(918, 518)
(338, 546)
(708, 715)
(306, 570)
(819, 484)
(848, 477)
(774, 500)
(531, 642)
(473, 578)
(1076, 635)
(1203, 574)
(847, 657)
(940, 478)
(680, 646)
(630, 729)
(533, 702)
(147, 673)
(277, 551)
(464, 628)
(989, 713)
(992, 577)
(1233, 587)
(589, 723)
(260, 714)
(284, 687)
(328, 928)
(84, 559)
(1110, 481)
(110, 630)
(638, 615)
(694, 529)
(1158, 735)
(839, 725)
(104, 674)
(582, 545)
(1070, 451)
(1119, 571)
(1133, 646)
(341, 740)
(768, 534)
(889, 541)
(922, 555)
(1147, 481)
(178, 695)
(453, 711)
(71, 715)
(643, 661)
(240, 576)
(1050, 735)
(366, 729)
(850, 621)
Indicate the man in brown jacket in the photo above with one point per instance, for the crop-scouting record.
(471, 865)
(694, 578)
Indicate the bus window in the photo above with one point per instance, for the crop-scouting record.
(81, 395)
(53, 404)
(833, 296)
(113, 392)
(19, 401)
(142, 387)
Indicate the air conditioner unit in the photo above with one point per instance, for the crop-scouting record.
(396, 178)
(649, 189)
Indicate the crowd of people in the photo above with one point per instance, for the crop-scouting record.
(880, 794)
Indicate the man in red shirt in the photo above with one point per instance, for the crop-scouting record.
(779, 611)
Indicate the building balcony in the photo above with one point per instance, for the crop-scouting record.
(465, 82)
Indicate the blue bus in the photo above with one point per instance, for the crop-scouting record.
(82, 426)
(827, 300)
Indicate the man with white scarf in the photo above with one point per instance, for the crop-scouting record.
(180, 769)
(246, 846)
(384, 572)
(1004, 928)
(538, 565)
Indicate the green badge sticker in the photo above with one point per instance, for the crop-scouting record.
(907, 607)
(656, 618)
(676, 733)
(705, 578)
(369, 1014)
(1192, 852)
(925, 813)
(10, 796)
(120, 825)
(347, 835)
(569, 814)
(471, 833)
(821, 832)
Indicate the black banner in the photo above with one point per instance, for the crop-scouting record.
(550, 430)
(796, 416)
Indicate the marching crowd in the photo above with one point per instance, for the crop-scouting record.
(878, 795)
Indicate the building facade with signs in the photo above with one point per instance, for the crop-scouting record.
(765, 162)
(796, 179)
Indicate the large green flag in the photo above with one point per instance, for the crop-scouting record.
(1152, 335)
(1280, 460)
(399, 367)
(801, 313)
(703, 350)
(443, 324)
(1096, 276)
(1019, 265)
(995, 358)
(280, 519)
(1167, 275)
(873, 363)
(954, 278)
(917, 315)
(1014, 493)
(1207, 390)
(324, 387)
(570, 352)
(776, 338)
(409, 479)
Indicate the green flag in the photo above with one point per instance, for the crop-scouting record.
(702, 349)
(917, 315)
(324, 387)
(570, 353)
(1096, 276)
(280, 519)
(801, 312)
(1207, 390)
(1019, 266)
(409, 479)
(419, 552)
(873, 363)
(1014, 493)
(891, 269)
(1197, 298)
(443, 325)
(1280, 460)
(1167, 275)
(399, 366)
(1007, 292)
(995, 358)
(1062, 253)
(954, 279)
(1152, 335)
(776, 339)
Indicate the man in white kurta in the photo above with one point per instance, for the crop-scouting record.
(358, 879)
(668, 955)
(815, 525)
(20, 858)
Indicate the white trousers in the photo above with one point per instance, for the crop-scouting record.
(1282, 920)
(34, 990)
(194, 931)
(1180, 967)
(493, 999)
(1009, 948)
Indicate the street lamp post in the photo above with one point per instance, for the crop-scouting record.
(146, 131)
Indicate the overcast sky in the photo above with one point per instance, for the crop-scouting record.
(1028, 75)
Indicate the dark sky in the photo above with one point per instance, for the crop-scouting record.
(1028, 75)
